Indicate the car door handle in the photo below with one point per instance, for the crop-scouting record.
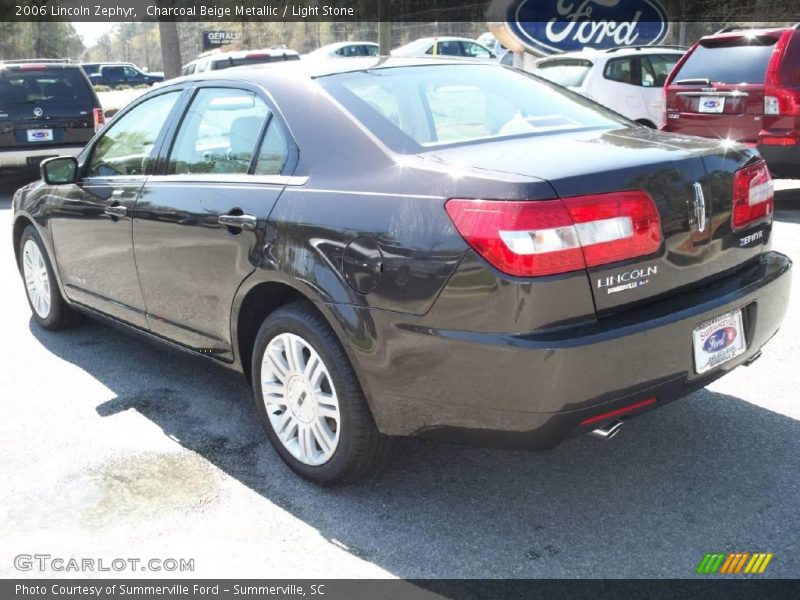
(116, 211)
(238, 221)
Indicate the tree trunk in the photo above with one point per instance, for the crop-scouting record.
(170, 47)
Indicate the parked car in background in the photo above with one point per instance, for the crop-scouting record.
(742, 85)
(444, 46)
(345, 50)
(215, 60)
(47, 108)
(116, 75)
(628, 80)
(446, 248)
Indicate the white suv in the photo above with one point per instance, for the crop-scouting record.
(628, 80)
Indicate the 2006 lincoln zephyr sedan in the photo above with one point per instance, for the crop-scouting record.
(406, 247)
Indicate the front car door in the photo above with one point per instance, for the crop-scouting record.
(92, 220)
(198, 230)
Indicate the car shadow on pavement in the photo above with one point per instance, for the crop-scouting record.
(706, 474)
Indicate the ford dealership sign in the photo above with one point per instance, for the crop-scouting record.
(551, 26)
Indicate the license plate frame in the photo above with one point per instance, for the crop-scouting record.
(718, 341)
(40, 135)
(711, 105)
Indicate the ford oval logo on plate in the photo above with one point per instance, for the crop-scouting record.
(570, 25)
(711, 103)
(720, 339)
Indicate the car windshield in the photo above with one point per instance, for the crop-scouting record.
(566, 72)
(740, 60)
(42, 85)
(446, 104)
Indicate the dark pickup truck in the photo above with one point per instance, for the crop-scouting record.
(122, 75)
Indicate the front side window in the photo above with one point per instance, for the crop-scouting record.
(475, 51)
(219, 133)
(445, 104)
(127, 144)
(131, 73)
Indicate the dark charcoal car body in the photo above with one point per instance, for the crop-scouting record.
(358, 226)
(47, 109)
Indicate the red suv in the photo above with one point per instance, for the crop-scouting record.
(742, 85)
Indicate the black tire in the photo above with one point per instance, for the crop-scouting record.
(60, 314)
(361, 448)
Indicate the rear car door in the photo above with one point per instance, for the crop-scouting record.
(199, 226)
(91, 220)
(44, 106)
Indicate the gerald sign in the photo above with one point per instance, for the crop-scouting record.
(570, 25)
(215, 39)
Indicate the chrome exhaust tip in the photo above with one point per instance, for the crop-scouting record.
(606, 432)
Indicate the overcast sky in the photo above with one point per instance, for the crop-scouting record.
(90, 32)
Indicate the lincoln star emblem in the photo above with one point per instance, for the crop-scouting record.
(699, 207)
(38, 112)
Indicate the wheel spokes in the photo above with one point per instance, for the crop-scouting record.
(301, 403)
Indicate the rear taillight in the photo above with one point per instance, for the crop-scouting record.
(753, 195)
(533, 238)
(781, 101)
(99, 119)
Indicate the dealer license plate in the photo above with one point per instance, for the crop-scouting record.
(712, 104)
(40, 135)
(717, 341)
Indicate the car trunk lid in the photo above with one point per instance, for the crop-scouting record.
(689, 180)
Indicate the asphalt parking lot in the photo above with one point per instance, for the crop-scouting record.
(113, 448)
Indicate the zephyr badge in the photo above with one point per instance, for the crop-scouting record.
(699, 207)
(38, 112)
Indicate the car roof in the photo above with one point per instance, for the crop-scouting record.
(594, 54)
(733, 33)
(343, 44)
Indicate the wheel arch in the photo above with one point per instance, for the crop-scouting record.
(647, 123)
(258, 297)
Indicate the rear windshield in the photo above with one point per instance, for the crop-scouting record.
(741, 60)
(43, 86)
(566, 72)
(447, 104)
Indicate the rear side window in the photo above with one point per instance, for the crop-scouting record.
(622, 70)
(43, 86)
(740, 60)
(445, 104)
(566, 72)
(656, 68)
(220, 134)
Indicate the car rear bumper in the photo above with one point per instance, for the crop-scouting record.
(783, 161)
(534, 390)
(18, 157)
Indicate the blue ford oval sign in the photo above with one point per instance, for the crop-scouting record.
(551, 26)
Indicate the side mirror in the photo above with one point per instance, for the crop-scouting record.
(59, 170)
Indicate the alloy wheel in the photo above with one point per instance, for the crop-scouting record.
(37, 279)
(300, 399)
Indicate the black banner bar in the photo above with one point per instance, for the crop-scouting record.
(369, 10)
(391, 589)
